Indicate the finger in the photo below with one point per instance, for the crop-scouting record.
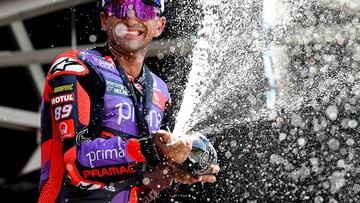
(189, 179)
(184, 144)
(163, 136)
(180, 151)
(215, 169)
(187, 141)
(183, 177)
(207, 178)
(179, 145)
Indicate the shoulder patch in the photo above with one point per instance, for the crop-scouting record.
(67, 63)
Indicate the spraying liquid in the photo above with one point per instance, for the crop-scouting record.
(307, 149)
(121, 30)
(226, 83)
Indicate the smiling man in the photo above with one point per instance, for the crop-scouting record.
(102, 115)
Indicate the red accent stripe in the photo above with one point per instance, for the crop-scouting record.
(83, 105)
(45, 152)
(133, 150)
(134, 193)
(46, 92)
(159, 100)
(106, 134)
(51, 188)
(70, 157)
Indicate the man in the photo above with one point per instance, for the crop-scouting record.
(102, 113)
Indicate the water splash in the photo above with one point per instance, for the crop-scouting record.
(226, 81)
(308, 147)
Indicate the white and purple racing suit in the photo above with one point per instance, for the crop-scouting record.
(96, 126)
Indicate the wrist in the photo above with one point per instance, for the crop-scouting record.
(160, 177)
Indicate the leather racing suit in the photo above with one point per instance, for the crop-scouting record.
(94, 148)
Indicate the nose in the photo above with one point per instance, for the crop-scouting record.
(131, 12)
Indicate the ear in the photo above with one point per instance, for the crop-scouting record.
(103, 18)
(160, 25)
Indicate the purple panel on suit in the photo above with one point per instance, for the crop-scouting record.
(102, 152)
(154, 118)
(45, 171)
(119, 114)
(121, 197)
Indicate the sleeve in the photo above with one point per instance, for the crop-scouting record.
(75, 100)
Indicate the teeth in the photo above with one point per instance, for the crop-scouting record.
(134, 32)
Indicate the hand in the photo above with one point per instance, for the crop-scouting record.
(160, 178)
(176, 150)
(186, 178)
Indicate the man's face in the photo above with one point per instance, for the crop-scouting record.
(130, 34)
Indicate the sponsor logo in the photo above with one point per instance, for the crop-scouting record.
(116, 88)
(159, 100)
(80, 138)
(68, 64)
(150, 196)
(88, 186)
(62, 98)
(66, 129)
(126, 112)
(155, 119)
(107, 154)
(103, 63)
(110, 171)
(63, 88)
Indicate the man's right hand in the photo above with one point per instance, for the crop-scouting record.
(186, 178)
(175, 149)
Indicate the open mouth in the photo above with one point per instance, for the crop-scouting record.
(122, 30)
(134, 33)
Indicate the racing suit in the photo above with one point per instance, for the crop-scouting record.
(96, 127)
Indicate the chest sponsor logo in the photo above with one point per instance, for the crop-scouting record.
(66, 64)
(63, 88)
(126, 112)
(115, 88)
(106, 154)
(109, 171)
(62, 98)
